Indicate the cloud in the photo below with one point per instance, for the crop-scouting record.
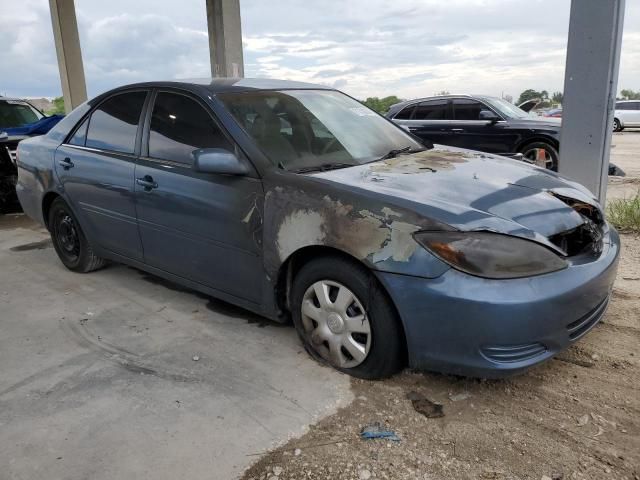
(408, 48)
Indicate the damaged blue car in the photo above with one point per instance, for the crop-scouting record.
(298, 203)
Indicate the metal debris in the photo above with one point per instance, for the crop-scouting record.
(426, 407)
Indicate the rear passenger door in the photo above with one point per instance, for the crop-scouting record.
(96, 170)
(634, 113)
(429, 120)
(201, 226)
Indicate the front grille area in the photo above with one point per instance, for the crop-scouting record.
(513, 353)
(586, 238)
(13, 154)
(581, 326)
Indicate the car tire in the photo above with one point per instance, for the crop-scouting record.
(530, 150)
(69, 241)
(343, 324)
(616, 125)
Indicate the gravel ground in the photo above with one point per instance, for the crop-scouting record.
(575, 417)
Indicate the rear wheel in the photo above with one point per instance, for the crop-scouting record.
(617, 127)
(69, 240)
(542, 154)
(345, 319)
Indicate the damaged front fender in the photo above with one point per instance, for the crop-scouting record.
(299, 216)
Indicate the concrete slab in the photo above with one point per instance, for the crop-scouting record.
(99, 381)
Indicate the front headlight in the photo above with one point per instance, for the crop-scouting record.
(491, 255)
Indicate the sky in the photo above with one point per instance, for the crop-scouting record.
(408, 48)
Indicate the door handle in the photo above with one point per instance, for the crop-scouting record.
(413, 129)
(457, 129)
(66, 163)
(147, 182)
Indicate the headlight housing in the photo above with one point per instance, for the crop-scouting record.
(491, 255)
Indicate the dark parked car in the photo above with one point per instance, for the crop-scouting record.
(295, 201)
(483, 123)
(18, 120)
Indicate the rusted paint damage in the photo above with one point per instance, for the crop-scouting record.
(365, 234)
(429, 161)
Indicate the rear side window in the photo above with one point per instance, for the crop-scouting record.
(180, 125)
(466, 109)
(114, 124)
(623, 106)
(431, 110)
(405, 113)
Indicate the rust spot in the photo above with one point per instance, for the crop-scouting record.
(429, 161)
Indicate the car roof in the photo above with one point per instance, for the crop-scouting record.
(626, 101)
(436, 97)
(223, 85)
(11, 99)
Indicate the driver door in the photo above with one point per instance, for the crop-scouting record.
(468, 131)
(201, 226)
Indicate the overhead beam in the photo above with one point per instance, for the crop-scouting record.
(65, 35)
(590, 86)
(225, 38)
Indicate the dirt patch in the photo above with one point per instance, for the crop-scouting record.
(575, 417)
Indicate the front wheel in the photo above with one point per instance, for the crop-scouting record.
(69, 240)
(345, 319)
(542, 154)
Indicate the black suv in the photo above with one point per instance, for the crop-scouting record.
(479, 122)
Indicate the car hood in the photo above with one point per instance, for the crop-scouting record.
(471, 191)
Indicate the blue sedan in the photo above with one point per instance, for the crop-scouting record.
(298, 203)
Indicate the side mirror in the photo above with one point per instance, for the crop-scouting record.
(488, 115)
(217, 160)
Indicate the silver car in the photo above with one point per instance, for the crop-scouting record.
(627, 114)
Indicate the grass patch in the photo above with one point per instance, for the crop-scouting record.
(624, 213)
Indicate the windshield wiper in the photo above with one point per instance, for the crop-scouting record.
(322, 167)
(399, 151)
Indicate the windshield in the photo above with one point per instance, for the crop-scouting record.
(506, 109)
(298, 129)
(15, 113)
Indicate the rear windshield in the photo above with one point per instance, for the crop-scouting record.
(14, 113)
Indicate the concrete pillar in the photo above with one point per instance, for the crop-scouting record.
(225, 38)
(590, 85)
(65, 34)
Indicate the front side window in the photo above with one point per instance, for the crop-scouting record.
(467, 109)
(16, 113)
(431, 110)
(405, 113)
(623, 106)
(180, 125)
(307, 128)
(114, 124)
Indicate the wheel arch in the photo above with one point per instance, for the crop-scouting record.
(47, 201)
(295, 261)
(539, 138)
(292, 265)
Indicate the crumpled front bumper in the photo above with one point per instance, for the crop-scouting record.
(478, 327)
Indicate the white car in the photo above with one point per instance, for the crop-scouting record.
(627, 114)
